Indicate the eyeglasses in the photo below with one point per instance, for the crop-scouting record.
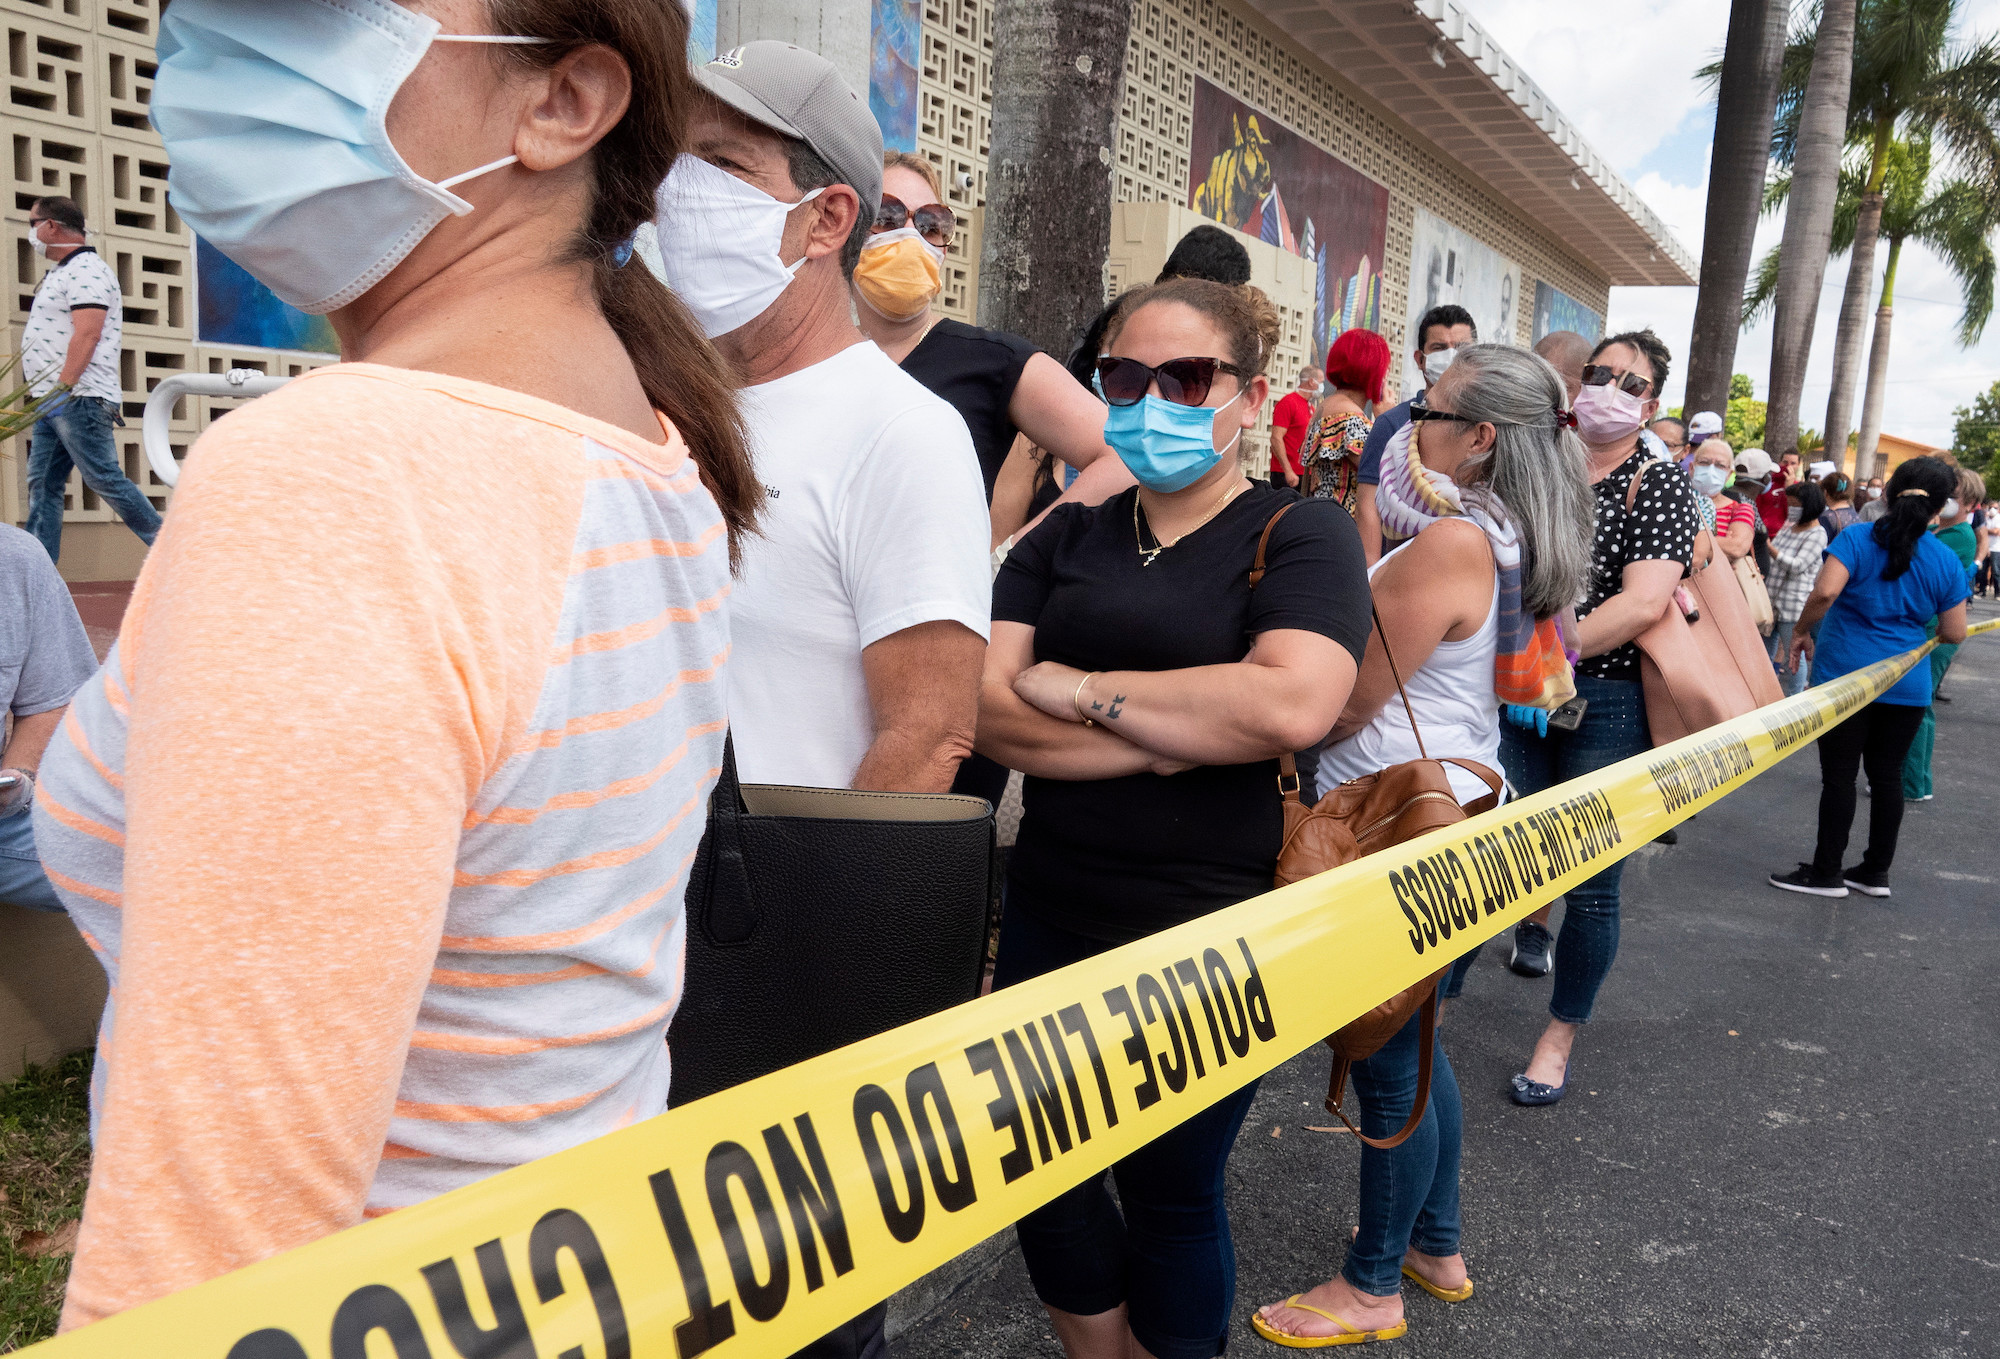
(1185, 382)
(1632, 384)
(935, 222)
(1419, 413)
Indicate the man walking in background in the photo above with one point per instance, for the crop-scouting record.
(1290, 420)
(74, 328)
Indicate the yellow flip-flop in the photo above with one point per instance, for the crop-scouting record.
(1459, 1294)
(1315, 1342)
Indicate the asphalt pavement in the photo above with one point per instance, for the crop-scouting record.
(1781, 1137)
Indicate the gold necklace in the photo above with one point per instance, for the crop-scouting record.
(1229, 493)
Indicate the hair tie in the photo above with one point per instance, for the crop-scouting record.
(621, 253)
(1914, 490)
(1565, 419)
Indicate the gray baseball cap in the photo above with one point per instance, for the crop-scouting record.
(799, 94)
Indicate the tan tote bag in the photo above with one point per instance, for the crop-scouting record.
(1705, 664)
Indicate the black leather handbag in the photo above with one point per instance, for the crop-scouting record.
(817, 917)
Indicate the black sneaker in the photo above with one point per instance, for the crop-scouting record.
(1803, 879)
(1669, 836)
(1866, 883)
(1531, 950)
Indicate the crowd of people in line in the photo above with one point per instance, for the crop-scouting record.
(380, 811)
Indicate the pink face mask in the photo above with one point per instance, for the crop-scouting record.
(1606, 414)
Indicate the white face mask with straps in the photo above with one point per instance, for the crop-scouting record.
(719, 241)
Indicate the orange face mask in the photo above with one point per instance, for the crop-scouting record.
(898, 274)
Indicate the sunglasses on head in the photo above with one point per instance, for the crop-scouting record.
(1632, 384)
(1185, 382)
(935, 222)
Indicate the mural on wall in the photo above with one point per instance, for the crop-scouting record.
(233, 308)
(701, 32)
(895, 30)
(1557, 310)
(1249, 171)
(1448, 266)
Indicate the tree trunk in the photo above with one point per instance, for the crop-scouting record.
(1058, 82)
(1809, 220)
(1852, 332)
(1745, 104)
(1878, 370)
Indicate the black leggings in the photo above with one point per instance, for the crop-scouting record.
(1877, 738)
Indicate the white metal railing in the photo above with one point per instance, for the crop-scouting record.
(153, 431)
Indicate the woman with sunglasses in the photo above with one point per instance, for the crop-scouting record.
(1000, 383)
(1147, 691)
(1638, 558)
(1487, 490)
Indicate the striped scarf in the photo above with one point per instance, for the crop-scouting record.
(1533, 662)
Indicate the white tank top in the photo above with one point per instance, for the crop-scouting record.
(1454, 701)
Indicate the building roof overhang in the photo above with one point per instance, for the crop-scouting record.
(1433, 67)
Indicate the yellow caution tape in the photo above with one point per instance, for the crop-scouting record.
(756, 1220)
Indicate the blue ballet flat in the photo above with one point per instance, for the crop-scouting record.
(1535, 1093)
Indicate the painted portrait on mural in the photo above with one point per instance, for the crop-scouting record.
(1249, 171)
(1557, 310)
(1448, 266)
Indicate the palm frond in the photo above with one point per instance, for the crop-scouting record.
(1763, 289)
(1956, 223)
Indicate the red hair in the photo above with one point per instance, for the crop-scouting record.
(1359, 361)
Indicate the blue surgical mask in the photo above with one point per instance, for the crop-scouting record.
(1167, 446)
(274, 117)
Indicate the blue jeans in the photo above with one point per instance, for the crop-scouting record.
(1614, 728)
(1168, 1255)
(22, 882)
(1409, 1194)
(1793, 682)
(78, 433)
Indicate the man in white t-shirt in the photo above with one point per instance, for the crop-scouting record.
(74, 328)
(858, 626)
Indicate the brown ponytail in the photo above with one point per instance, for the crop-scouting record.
(683, 376)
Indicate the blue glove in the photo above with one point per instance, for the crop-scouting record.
(1527, 718)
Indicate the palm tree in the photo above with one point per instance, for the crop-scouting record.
(1813, 116)
(1746, 102)
(1058, 82)
(1953, 218)
(1908, 78)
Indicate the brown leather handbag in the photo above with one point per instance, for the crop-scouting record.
(1703, 662)
(1361, 817)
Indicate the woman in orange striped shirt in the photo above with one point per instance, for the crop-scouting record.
(379, 814)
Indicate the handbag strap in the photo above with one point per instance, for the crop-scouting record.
(729, 908)
(1337, 1082)
(1397, 675)
(1264, 542)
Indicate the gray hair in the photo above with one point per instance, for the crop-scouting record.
(1537, 476)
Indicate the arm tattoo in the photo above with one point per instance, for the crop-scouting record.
(1115, 701)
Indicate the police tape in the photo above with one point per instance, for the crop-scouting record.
(756, 1220)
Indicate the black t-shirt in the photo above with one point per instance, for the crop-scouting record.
(976, 371)
(1117, 859)
(1662, 526)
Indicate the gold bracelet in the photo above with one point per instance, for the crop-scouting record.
(1076, 699)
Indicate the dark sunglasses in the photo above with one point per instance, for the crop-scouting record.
(935, 222)
(1632, 384)
(1419, 413)
(1185, 382)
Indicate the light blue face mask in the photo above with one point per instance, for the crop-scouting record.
(274, 117)
(1167, 446)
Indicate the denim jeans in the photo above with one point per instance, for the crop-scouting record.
(1792, 682)
(1614, 728)
(79, 433)
(22, 882)
(1167, 1255)
(1409, 1194)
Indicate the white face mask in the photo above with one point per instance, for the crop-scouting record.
(1792, 513)
(1708, 478)
(41, 246)
(1435, 363)
(719, 240)
(1950, 510)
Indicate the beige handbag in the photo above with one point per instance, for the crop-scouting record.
(1703, 662)
(1751, 581)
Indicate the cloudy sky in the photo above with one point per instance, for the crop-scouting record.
(1658, 136)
